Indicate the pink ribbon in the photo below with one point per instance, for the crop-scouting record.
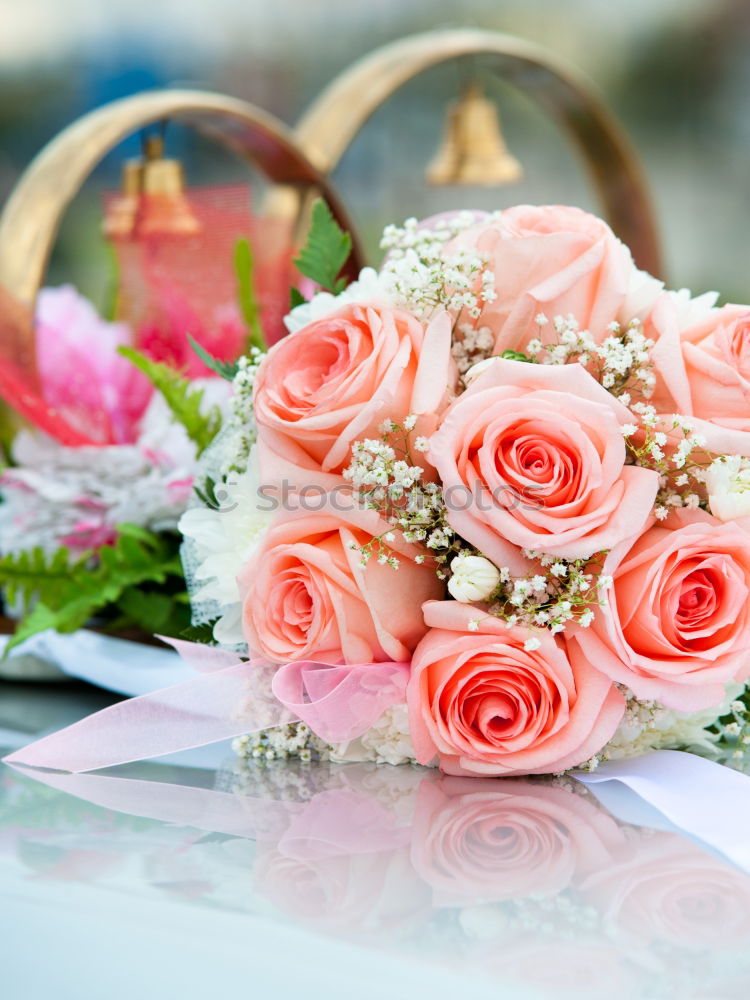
(228, 698)
(340, 703)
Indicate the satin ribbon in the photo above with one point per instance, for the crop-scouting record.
(698, 796)
(227, 698)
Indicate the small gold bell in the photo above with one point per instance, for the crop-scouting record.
(473, 150)
(153, 200)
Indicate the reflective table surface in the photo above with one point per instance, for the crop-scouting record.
(198, 876)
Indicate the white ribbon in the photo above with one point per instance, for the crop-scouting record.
(703, 799)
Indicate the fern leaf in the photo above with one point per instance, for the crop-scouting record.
(183, 400)
(326, 250)
(226, 369)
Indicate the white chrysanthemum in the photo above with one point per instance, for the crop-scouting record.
(646, 727)
(728, 482)
(474, 578)
(223, 540)
(388, 742)
(370, 287)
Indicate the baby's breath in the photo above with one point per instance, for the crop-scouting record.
(423, 278)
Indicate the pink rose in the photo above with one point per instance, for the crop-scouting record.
(549, 259)
(475, 841)
(677, 628)
(484, 704)
(305, 595)
(336, 380)
(359, 893)
(716, 354)
(534, 456)
(671, 892)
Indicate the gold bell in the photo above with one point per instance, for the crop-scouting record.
(152, 199)
(473, 150)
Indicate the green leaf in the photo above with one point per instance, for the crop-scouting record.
(183, 400)
(199, 633)
(517, 356)
(226, 369)
(149, 610)
(63, 594)
(244, 269)
(296, 298)
(326, 251)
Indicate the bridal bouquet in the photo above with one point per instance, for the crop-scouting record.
(486, 508)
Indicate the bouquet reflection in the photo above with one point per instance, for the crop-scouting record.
(524, 881)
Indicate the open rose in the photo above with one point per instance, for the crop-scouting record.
(549, 259)
(716, 354)
(305, 594)
(335, 381)
(486, 704)
(476, 840)
(677, 628)
(533, 456)
(668, 891)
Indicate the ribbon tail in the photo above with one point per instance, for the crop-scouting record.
(182, 805)
(708, 801)
(206, 709)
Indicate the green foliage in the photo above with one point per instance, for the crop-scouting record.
(226, 369)
(296, 298)
(207, 493)
(63, 593)
(183, 400)
(326, 250)
(244, 269)
(517, 356)
(199, 633)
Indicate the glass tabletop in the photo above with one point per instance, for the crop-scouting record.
(202, 876)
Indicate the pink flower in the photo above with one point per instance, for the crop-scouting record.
(305, 595)
(549, 259)
(475, 841)
(484, 704)
(335, 381)
(677, 628)
(671, 892)
(533, 456)
(98, 392)
(716, 354)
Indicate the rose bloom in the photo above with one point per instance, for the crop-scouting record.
(549, 259)
(305, 595)
(474, 841)
(716, 354)
(336, 380)
(534, 456)
(677, 627)
(484, 704)
(665, 890)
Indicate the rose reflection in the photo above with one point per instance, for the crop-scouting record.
(528, 882)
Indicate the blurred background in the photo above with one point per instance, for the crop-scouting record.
(676, 72)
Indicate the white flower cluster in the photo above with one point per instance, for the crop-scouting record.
(241, 432)
(422, 277)
(621, 362)
(472, 346)
(388, 742)
(393, 486)
(295, 740)
(648, 726)
(652, 446)
(553, 593)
